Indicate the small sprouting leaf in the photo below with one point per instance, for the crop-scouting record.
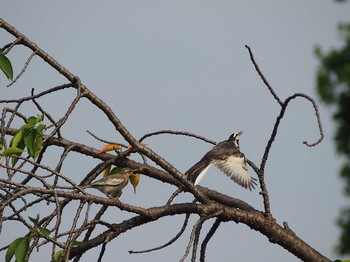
(5, 66)
(45, 231)
(39, 119)
(32, 120)
(22, 249)
(12, 151)
(57, 257)
(35, 220)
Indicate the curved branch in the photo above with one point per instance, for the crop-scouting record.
(172, 132)
(171, 241)
(318, 117)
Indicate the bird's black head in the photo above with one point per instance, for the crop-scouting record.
(235, 138)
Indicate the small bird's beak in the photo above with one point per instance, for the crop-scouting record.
(240, 133)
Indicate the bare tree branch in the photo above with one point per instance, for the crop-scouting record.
(47, 184)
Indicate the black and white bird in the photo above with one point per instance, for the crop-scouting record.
(228, 158)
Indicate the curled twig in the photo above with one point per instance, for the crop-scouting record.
(172, 197)
(176, 237)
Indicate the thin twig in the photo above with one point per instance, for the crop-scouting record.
(173, 195)
(7, 48)
(103, 140)
(45, 113)
(71, 237)
(257, 69)
(103, 249)
(196, 227)
(23, 69)
(28, 98)
(209, 235)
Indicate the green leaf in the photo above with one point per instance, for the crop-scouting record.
(22, 249)
(20, 146)
(5, 66)
(11, 249)
(16, 139)
(57, 256)
(27, 126)
(32, 120)
(35, 220)
(77, 243)
(29, 141)
(19, 247)
(40, 128)
(39, 118)
(45, 231)
(37, 146)
(115, 170)
(12, 151)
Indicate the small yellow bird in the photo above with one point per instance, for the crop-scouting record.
(113, 184)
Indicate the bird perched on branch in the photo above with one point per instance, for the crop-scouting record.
(113, 184)
(228, 158)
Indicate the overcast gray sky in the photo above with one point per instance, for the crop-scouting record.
(182, 65)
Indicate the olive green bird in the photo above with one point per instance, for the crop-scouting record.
(113, 184)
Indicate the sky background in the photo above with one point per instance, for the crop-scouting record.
(182, 65)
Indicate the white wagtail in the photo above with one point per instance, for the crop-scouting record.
(228, 158)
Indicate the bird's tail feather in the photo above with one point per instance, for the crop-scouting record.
(197, 171)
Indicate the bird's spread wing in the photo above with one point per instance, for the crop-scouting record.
(235, 167)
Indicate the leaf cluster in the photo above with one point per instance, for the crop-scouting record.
(333, 87)
(29, 136)
(20, 246)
